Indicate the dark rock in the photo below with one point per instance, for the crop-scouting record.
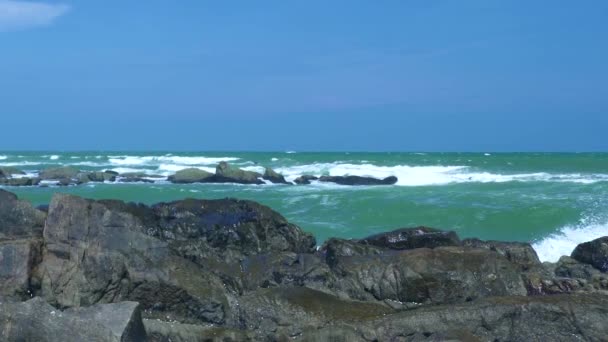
(594, 253)
(304, 180)
(427, 276)
(111, 172)
(97, 254)
(59, 173)
(224, 173)
(333, 249)
(17, 261)
(539, 318)
(358, 180)
(35, 320)
(135, 180)
(274, 177)
(192, 175)
(101, 177)
(228, 228)
(519, 253)
(21, 181)
(18, 219)
(410, 238)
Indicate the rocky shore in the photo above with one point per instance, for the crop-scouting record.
(224, 173)
(234, 270)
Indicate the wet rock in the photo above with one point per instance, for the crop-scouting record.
(161, 331)
(8, 172)
(191, 175)
(224, 173)
(410, 238)
(358, 180)
(594, 253)
(35, 320)
(304, 180)
(274, 177)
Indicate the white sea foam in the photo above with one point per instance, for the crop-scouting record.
(157, 160)
(3, 157)
(563, 242)
(432, 175)
(274, 159)
(54, 157)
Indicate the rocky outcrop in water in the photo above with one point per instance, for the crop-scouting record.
(198, 270)
(358, 180)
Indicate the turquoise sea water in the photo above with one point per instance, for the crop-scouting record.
(553, 200)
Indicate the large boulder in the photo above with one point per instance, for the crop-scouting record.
(59, 173)
(98, 176)
(97, 253)
(225, 173)
(274, 177)
(594, 253)
(18, 258)
(358, 180)
(35, 320)
(191, 175)
(410, 238)
(427, 276)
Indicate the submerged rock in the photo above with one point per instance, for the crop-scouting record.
(358, 180)
(594, 253)
(191, 175)
(304, 180)
(21, 181)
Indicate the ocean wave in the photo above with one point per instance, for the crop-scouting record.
(177, 160)
(54, 157)
(432, 175)
(3, 157)
(563, 242)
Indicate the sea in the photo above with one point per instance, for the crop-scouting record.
(552, 200)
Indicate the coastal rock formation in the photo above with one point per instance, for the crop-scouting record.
(198, 270)
(225, 173)
(358, 180)
(191, 175)
(274, 177)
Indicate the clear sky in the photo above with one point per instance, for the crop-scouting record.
(472, 75)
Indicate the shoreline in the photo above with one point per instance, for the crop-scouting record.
(195, 270)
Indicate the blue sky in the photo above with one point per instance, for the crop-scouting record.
(304, 75)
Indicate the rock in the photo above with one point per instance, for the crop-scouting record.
(160, 331)
(102, 176)
(334, 249)
(8, 172)
(358, 180)
(538, 318)
(224, 173)
(21, 181)
(59, 173)
(519, 253)
(274, 177)
(17, 261)
(594, 253)
(18, 219)
(304, 180)
(228, 228)
(135, 180)
(97, 253)
(427, 276)
(35, 320)
(111, 172)
(192, 175)
(410, 238)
